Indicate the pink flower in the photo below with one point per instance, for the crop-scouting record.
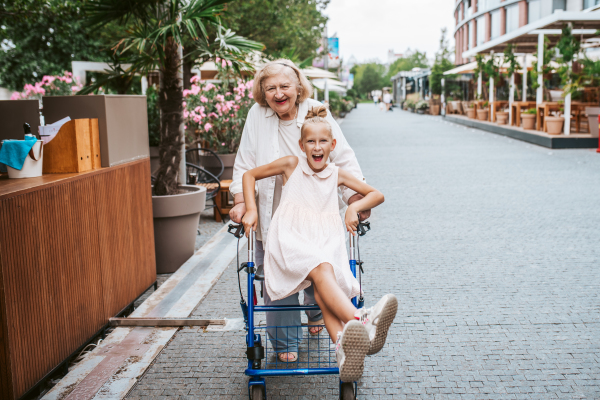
(197, 119)
(238, 98)
(207, 127)
(15, 96)
(209, 86)
(203, 99)
(74, 88)
(213, 115)
(186, 92)
(250, 95)
(184, 103)
(223, 64)
(186, 113)
(195, 89)
(229, 63)
(220, 97)
(195, 79)
(217, 59)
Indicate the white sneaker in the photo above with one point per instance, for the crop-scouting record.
(350, 351)
(377, 321)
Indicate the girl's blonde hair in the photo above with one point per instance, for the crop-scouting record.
(281, 66)
(314, 116)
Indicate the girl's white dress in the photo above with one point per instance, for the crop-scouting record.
(306, 231)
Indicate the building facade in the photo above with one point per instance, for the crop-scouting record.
(479, 21)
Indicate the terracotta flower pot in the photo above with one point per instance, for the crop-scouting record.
(434, 110)
(482, 115)
(528, 121)
(555, 125)
(501, 117)
(471, 113)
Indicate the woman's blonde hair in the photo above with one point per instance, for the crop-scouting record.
(305, 89)
(314, 116)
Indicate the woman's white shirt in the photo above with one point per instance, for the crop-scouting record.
(264, 141)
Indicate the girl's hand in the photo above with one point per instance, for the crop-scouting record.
(250, 220)
(351, 220)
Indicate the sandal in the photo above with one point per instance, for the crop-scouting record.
(287, 357)
(315, 330)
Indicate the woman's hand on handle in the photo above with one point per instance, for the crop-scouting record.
(237, 212)
(363, 214)
(250, 221)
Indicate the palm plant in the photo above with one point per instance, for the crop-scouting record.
(156, 31)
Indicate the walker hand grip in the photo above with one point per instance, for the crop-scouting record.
(238, 228)
(363, 228)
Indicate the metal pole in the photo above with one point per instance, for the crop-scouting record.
(511, 97)
(479, 85)
(525, 77)
(539, 94)
(567, 113)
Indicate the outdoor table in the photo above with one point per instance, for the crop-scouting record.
(516, 111)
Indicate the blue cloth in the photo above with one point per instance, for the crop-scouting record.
(14, 152)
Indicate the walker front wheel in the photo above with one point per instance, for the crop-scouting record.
(347, 391)
(257, 393)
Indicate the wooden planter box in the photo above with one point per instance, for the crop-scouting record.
(122, 123)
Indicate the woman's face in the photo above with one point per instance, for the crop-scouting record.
(281, 93)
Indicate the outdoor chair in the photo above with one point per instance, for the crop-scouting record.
(205, 159)
(198, 176)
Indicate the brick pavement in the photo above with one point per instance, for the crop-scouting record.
(491, 246)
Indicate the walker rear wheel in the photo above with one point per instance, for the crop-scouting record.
(257, 392)
(347, 391)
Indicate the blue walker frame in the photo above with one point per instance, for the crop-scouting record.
(255, 351)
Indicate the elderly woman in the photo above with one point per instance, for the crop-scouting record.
(283, 97)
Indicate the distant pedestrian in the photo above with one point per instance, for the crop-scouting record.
(375, 99)
(305, 246)
(387, 99)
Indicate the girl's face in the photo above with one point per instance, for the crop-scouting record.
(317, 144)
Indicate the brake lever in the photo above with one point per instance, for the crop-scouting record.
(239, 230)
(363, 228)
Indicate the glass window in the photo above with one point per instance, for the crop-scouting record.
(559, 5)
(512, 18)
(495, 24)
(590, 3)
(480, 30)
(535, 11)
(470, 40)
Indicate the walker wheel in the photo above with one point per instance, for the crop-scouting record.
(347, 391)
(257, 393)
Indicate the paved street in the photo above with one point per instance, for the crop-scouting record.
(491, 246)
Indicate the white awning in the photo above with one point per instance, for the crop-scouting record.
(585, 25)
(312, 72)
(462, 69)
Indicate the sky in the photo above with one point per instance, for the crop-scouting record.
(367, 29)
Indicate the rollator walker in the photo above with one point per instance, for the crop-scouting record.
(316, 354)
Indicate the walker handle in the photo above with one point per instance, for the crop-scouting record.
(238, 228)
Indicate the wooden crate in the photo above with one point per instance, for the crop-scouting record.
(75, 148)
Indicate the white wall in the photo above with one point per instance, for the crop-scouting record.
(574, 5)
(5, 94)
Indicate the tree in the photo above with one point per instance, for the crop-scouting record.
(368, 77)
(281, 25)
(443, 63)
(42, 37)
(412, 59)
(158, 28)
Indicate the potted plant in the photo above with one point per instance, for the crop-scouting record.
(528, 118)
(410, 105)
(471, 111)
(421, 106)
(555, 123)
(155, 36)
(482, 114)
(502, 117)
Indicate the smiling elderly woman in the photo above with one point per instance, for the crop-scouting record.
(272, 130)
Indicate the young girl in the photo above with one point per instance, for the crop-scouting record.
(306, 243)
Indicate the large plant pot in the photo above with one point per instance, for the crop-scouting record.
(528, 121)
(213, 166)
(592, 113)
(501, 117)
(175, 224)
(555, 125)
(434, 110)
(154, 160)
(471, 113)
(482, 115)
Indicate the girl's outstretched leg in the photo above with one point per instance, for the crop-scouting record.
(332, 323)
(323, 278)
